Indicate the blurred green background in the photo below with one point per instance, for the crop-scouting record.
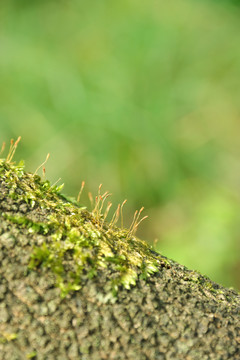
(142, 96)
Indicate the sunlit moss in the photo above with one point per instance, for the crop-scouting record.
(7, 337)
(77, 241)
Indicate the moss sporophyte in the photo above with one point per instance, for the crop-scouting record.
(77, 241)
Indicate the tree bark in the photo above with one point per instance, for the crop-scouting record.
(174, 313)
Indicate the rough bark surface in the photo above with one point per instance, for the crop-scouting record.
(172, 314)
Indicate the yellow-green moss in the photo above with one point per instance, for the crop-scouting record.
(73, 232)
(7, 337)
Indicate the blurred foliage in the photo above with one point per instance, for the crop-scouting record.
(142, 97)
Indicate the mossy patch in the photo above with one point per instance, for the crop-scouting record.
(78, 241)
(7, 337)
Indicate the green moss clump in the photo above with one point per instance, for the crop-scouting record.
(78, 241)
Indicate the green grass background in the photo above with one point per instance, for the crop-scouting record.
(142, 96)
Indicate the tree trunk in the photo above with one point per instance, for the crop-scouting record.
(83, 307)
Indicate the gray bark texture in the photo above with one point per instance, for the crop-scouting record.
(175, 313)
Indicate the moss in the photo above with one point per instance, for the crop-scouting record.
(46, 239)
(7, 337)
(32, 355)
(78, 241)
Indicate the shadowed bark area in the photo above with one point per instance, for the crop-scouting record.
(174, 313)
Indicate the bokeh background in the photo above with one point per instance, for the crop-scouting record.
(142, 96)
